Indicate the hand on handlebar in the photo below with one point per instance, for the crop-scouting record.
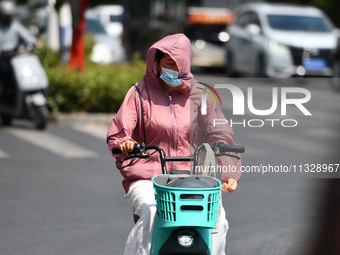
(126, 147)
(21, 48)
(229, 185)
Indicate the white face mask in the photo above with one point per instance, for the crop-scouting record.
(170, 77)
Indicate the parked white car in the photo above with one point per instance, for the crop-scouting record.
(110, 16)
(279, 40)
(106, 49)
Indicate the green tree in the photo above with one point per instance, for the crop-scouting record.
(331, 7)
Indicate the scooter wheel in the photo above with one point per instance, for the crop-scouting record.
(40, 118)
(6, 120)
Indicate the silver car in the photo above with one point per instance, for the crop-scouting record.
(106, 49)
(278, 40)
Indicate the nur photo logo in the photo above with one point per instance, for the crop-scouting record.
(281, 98)
(204, 97)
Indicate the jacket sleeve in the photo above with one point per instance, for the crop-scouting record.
(25, 34)
(124, 123)
(213, 127)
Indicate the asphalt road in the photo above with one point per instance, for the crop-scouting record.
(60, 192)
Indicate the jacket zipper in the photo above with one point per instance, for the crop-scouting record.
(174, 131)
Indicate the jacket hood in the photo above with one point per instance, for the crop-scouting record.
(178, 46)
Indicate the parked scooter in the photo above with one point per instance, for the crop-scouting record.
(24, 95)
(187, 205)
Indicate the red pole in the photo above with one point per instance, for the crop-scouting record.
(78, 41)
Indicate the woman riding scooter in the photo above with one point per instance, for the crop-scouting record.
(163, 109)
(13, 36)
(23, 81)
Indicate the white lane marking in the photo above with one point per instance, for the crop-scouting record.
(52, 143)
(322, 132)
(325, 116)
(97, 131)
(292, 142)
(3, 154)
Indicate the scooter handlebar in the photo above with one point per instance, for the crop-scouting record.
(222, 146)
(230, 148)
(11, 53)
(116, 151)
(136, 148)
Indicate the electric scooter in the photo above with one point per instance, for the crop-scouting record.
(187, 205)
(24, 95)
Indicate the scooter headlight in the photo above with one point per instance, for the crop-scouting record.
(26, 71)
(185, 239)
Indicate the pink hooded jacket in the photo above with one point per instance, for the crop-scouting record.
(172, 122)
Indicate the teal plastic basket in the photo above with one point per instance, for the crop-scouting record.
(194, 207)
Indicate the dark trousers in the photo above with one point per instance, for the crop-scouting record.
(7, 87)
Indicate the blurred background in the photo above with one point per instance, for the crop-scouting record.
(232, 38)
(229, 37)
(60, 192)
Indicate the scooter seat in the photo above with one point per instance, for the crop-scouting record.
(188, 182)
